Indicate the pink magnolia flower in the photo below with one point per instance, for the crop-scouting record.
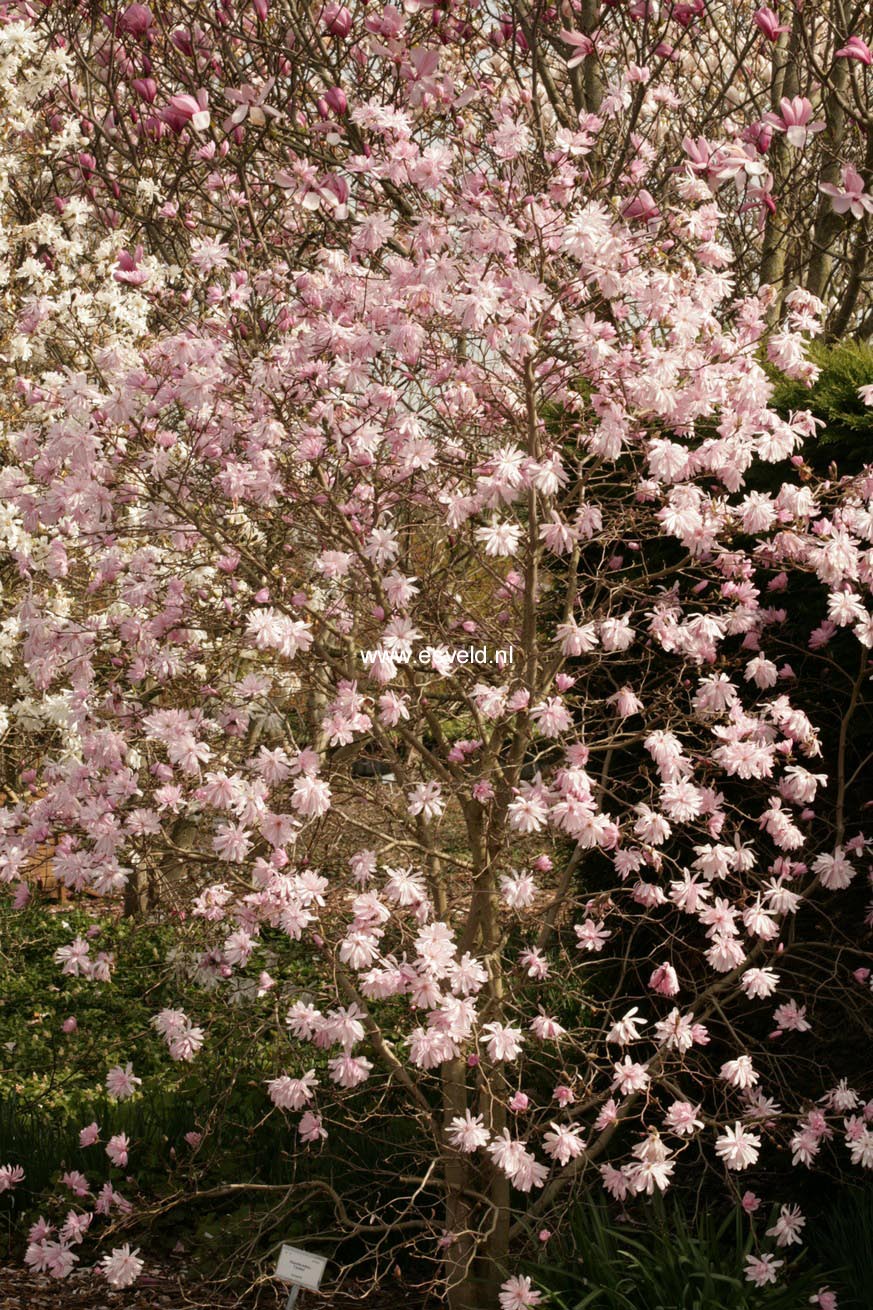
(468, 1133)
(761, 197)
(426, 799)
(739, 1072)
(664, 980)
(349, 1070)
(10, 1176)
(518, 1294)
(292, 1093)
(629, 1076)
(503, 1042)
(562, 1143)
(77, 1182)
(591, 936)
(682, 1118)
(615, 1181)
(88, 1136)
(53, 1258)
(653, 1166)
(74, 957)
(738, 1147)
(117, 1148)
(761, 1270)
(627, 1028)
(546, 1028)
(685, 13)
(699, 152)
(122, 1267)
(788, 1226)
(311, 797)
(121, 1084)
(851, 198)
(794, 119)
(75, 1226)
(791, 1017)
(310, 1128)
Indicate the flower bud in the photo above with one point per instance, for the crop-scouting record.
(336, 99)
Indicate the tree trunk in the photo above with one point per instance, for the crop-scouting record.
(775, 247)
(135, 895)
(458, 1260)
(589, 18)
(827, 223)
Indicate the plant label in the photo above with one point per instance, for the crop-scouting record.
(300, 1267)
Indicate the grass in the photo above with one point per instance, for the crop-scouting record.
(664, 1262)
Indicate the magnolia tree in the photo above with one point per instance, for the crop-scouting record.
(405, 563)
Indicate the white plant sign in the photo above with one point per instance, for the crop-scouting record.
(300, 1269)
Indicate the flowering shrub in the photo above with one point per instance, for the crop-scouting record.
(361, 329)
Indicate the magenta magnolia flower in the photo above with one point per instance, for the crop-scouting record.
(146, 88)
(136, 19)
(851, 198)
(685, 13)
(185, 109)
(768, 23)
(582, 46)
(759, 135)
(250, 103)
(794, 120)
(642, 206)
(128, 269)
(337, 19)
(855, 48)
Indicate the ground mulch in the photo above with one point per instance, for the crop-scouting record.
(20, 1289)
